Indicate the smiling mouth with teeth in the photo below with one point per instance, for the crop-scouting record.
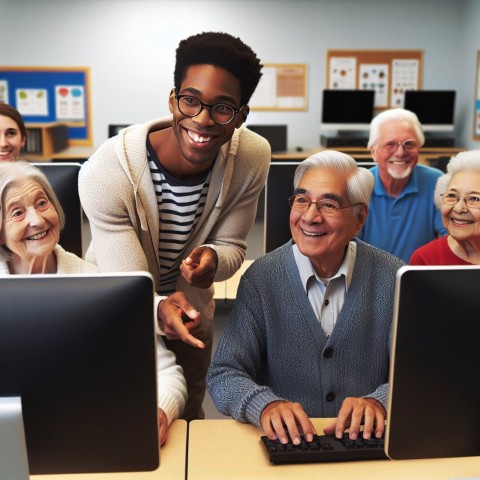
(460, 222)
(198, 138)
(37, 236)
(313, 234)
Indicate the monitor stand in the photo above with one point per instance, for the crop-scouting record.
(345, 139)
(13, 449)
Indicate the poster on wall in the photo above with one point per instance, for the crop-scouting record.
(32, 101)
(266, 92)
(405, 76)
(343, 73)
(3, 91)
(282, 87)
(375, 77)
(70, 102)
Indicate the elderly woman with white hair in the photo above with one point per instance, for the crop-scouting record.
(457, 196)
(31, 218)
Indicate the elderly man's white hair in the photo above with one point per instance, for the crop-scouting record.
(399, 115)
(360, 180)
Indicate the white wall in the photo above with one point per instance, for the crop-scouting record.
(130, 46)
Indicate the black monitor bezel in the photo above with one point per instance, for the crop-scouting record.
(81, 353)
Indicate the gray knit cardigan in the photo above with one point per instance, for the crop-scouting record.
(274, 348)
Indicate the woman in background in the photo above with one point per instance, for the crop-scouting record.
(13, 133)
(31, 219)
(457, 195)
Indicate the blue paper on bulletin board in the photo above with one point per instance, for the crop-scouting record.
(45, 95)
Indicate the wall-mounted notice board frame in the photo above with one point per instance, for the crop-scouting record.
(283, 86)
(476, 120)
(389, 72)
(51, 95)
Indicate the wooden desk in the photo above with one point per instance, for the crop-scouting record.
(227, 450)
(172, 462)
(426, 154)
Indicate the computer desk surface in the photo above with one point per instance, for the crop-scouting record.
(227, 450)
(172, 461)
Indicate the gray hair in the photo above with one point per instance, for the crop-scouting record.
(13, 173)
(397, 115)
(360, 180)
(463, 161)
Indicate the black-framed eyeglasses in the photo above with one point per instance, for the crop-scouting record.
(326, 206)
(471, 201)
(407, 145)
(191, 106)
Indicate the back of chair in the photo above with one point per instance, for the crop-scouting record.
(64, 180)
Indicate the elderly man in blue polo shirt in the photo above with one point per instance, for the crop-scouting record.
(402, 215)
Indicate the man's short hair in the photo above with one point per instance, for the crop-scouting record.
(397, 115)
(221, 50)
(360, 180)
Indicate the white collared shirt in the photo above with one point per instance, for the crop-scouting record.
(326, 295)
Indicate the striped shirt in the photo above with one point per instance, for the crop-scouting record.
(180, 205)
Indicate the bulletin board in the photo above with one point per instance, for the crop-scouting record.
(49, 95)
(283, 86)
(389, 72)
(476, 120)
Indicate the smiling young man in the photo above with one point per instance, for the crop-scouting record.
(313, 340)
(402, 215)
(177, 196)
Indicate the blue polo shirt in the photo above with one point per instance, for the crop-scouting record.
(401, 224)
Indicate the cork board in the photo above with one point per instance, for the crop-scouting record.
(389, 72)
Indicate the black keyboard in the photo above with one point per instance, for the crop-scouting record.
(325, 448)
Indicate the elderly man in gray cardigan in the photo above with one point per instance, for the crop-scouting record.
(313, 340)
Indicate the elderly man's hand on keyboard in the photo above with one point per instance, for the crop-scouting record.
(286, 420)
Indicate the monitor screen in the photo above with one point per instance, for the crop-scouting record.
(113, 129)
(434, 108)
(347, 109)
(434, 394)
(275, 134)
(80, 352)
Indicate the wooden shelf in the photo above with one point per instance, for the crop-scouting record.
(45, 139)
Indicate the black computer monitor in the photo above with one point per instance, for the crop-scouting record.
(434, 392)
(347, 110)
(80, 352)
(278, 188)
(64, 180)
(113, 129)
(275, 134)
(434, 108)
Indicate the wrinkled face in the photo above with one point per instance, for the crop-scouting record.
(200, 137)
(30, 222)
(463, 223)
(11, 141)
(395, 162)
(322, 237)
